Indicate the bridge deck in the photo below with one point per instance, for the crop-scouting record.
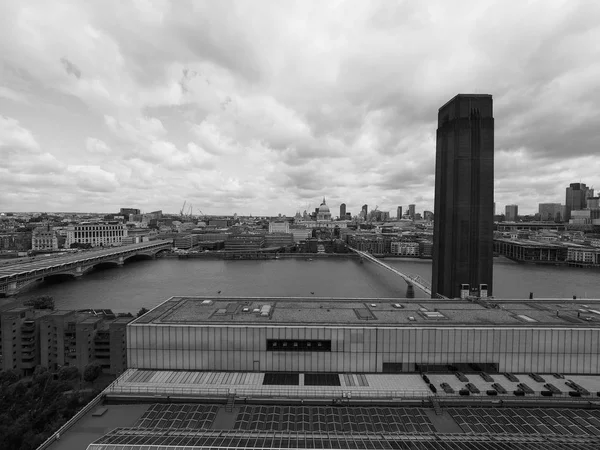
(411, 279)
(83, 256)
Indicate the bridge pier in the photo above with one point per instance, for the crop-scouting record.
(11, 289)
(121, 261)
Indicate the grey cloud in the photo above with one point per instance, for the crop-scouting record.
(70, 68)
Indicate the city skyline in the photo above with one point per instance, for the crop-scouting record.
(97, 112)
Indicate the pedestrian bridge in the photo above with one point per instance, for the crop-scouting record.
(15, 277)
(414, 280)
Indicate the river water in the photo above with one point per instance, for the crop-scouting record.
(146, 283)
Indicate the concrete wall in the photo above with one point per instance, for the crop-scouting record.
(244, 348)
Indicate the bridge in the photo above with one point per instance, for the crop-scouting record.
(415, 280)
(15, 277)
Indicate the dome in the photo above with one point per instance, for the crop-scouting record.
(323, 208)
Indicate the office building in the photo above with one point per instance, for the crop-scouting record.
(97, 234)
(411, 211)
(364, 211)
(575, 200)
(593, 202)
(550, 212)
(399, 212)
(512, 213)
(343, 211)
(44, 238)
(128, 211)
(464, 195)
(279, 226)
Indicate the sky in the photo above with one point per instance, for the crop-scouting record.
(265, 107)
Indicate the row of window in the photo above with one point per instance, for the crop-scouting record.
(303, 345)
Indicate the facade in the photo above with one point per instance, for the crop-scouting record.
(399, 213)
(18, 241)
(279, 240)
(402, 248)
(584, 255)
(346, 336)
(428, 216)
(19, 339)
(128, 211)
(44, 238)
(550, 212)
(464, 195)
(411, 211)
(512, 213)
(72, 338)
(282, 226)
(342, 211)
(576, 195)
(300, 234)
(97, 234)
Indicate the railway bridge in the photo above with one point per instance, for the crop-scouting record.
(17, 276)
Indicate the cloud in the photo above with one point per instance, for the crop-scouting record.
(94, 145)
(15, 138)
(265, 105)
(70, 68)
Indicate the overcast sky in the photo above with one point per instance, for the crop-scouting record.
(264, 107)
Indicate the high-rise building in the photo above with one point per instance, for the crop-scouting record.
(399, 212)
(411, 211)
(512, 213)
(464, 195)
(550, 212)
(575, 198)
(127, 211)
(343, 211)
(364, 211)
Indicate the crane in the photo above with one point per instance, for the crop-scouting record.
(182, 208)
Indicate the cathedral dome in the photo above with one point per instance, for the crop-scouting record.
(323, 208)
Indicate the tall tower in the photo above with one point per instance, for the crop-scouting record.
(512, 213)
(575, 198)
(411, 211)
(364, 211)
(399, 212)
(464, 195)
(342, 211)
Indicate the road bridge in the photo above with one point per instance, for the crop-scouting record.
(414, 280)
(17, 276)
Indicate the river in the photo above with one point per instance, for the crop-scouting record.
(146, 283)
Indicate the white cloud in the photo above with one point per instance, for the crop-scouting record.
(94, 145)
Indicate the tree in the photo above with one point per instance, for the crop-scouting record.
(68, 373)
(42, 302)
(91, 372)
(8, 377)
(142, 311)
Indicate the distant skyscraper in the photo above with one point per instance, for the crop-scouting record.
(550, 212)
(411, 211)
(343, 211)
(464, 195)
(575, 198)
(399, 212)
(364, 211)
(512, 213)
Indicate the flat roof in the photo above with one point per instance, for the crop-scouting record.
(373, 312)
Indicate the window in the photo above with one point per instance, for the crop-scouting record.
(298, 345)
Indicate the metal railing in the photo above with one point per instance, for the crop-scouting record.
(269, 392)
